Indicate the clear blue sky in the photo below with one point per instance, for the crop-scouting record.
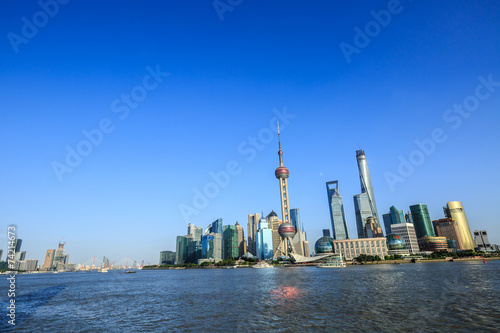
(225, 79)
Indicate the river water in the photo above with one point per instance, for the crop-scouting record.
(422, 297)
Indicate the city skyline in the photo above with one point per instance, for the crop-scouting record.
(212, 91)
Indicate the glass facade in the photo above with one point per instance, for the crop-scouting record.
(363, 212)
(387, 223)
(264, 241)
(455, 211)
(230, 245)
(337, 215)
(295, 218)
(366, 184)
(181, 248)
(217, 226)
(422, 221)
(397, 216)
(167, 258)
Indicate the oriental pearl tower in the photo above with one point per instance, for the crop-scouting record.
(286, 229)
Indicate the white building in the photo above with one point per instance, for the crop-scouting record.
(407, 231)
(352, 248)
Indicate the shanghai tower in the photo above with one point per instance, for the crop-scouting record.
(364, 203)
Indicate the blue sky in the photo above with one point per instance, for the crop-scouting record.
(225, 78)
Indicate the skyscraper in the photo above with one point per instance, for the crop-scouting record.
(448, 228)
(242, 246)
(422, 220)
(366, 188)
(49, 260)
(387, 223)
(264, 241)
(252, 227)
(337, 215)
(181, 249)
(455, 210)
(397, 216)
(167, 258)
(196, 232)
(295, 218)
(363, 212)
(230, 246)
(217, 226)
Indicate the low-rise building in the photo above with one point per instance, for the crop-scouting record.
(352, 248)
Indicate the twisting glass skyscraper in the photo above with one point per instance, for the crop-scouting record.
(337, 215)
(366, 200)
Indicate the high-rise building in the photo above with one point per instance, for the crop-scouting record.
(363, 212)
(181, 249)
(371, 229)
(366, 188)
(421, 220)
(242, 246)
(387, 222)
(17, 245)
(49, 260)
(252, 227)
(295, 218)
(211, 247)
(397, 216)
(196, 232)
(230, 246)
(20, 256)
(337, 215)
(448, 228)
(167, 258)
(481, 241)
(31, 265)
(264, 241)
(274, 223)
(217, 226)
(60, 258)
(193, 251)
(1, 253)
(408, 217)
(455, 211)
(407, 232)
(326, 233)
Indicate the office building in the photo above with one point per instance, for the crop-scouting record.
(408, 217)
(481, 241)
(353, 248)
(20, 256)
(448, 228)
(217, 226)
(397, 216)
(167, 258)
(407, 232)
(1, 254)
(363, 212)
(31, 265)
(295, 218)
(196, 232)
(242, 245)
(60, 257)
(230, 244)
(49, 260)
(252, 227)
(17, 245)
(367, 202)
(193, 251)
(274, 223)
(455, 211)
(264, 241)
(211, 247)
(326, 233)
(337, 215)
(422, 220)
(387, 222)
(181, 249)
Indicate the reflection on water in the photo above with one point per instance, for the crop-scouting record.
(458, 297)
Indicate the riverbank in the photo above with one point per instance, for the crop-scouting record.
(419, 261)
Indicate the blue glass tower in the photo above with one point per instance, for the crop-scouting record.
(295, 218)
(264, 241)
(337, 215)
(217, 227)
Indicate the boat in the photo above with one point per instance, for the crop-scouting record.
(129, 271)
(333, 262)
(104, 270)
(262, 264)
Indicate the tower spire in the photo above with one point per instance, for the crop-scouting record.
(280, 152)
